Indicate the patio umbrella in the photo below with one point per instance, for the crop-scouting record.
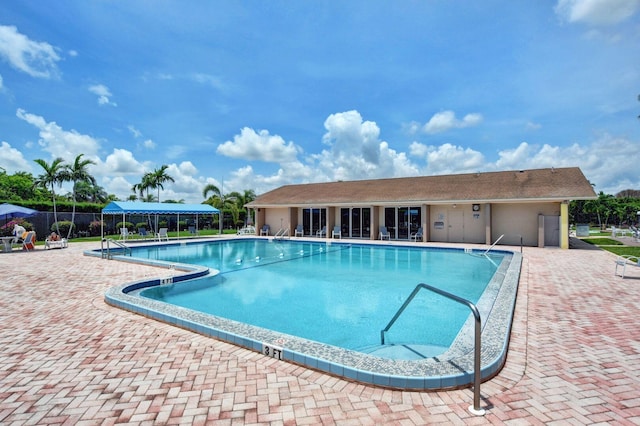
(11, 210)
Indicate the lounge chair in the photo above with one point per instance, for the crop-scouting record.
(299, 232)
(384, 233)
(29, 241)
(51, 244)
(417, 236)
(625, 260)
(265, 230)
(193, 231)
(322, 233)
(162, 233)
(143, 233)
(337, 232)
(247, 230)
(124, 234)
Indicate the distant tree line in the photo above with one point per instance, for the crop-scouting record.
(39, 192)
(617, 210)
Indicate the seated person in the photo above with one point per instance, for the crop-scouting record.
(54, 237)
(18, 232)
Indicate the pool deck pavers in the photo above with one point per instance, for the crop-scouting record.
(66, 357)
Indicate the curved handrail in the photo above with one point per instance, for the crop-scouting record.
(475, 409)
(123, 246)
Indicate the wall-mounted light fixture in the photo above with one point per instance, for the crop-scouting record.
(455, 205)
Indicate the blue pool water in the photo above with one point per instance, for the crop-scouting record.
(339, 294)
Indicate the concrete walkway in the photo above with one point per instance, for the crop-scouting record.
(68, 358)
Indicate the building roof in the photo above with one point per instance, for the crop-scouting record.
(553, 184)
(137, 207)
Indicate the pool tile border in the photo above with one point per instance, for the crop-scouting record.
(453, 369)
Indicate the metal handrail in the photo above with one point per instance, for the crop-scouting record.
(108, 255)
(475, 408)
(282, 232)
(493, 245)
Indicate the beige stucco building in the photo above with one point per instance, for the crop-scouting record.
(524, 206)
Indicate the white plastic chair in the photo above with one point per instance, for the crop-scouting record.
(625, 260)
(337, 232)
(384, 234)
(162, 233)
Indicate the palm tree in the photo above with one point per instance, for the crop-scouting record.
(159, 177)
(54, 173)
(219, 201)
(77, 173)
(143, 187)
(153, 180)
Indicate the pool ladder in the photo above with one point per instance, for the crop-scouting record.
(281, 234)
(475, 408)
(106, 254)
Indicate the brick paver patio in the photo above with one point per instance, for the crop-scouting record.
(68, 358)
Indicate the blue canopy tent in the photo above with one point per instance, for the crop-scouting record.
(137, 207)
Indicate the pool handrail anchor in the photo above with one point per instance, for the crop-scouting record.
(475, 408)
(109, 241)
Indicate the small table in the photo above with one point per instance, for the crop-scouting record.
(6, 244)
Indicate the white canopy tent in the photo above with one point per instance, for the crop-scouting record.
(137, 207)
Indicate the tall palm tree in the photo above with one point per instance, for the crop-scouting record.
(143, 187)
(153, 180)
(54, 174)
(76, 173)
(159, 177)
(219, 201)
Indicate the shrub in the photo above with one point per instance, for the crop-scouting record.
(95, 227)
(63, 227)
(142, 225)
(121, 225)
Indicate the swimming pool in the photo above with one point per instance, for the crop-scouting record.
(329, 333)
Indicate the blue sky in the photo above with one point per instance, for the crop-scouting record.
(257, 95)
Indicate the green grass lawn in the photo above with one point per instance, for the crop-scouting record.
(602, 241)
(150, 237)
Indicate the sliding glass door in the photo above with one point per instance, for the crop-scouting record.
(355, 222)
(401, 222)
(313, 220)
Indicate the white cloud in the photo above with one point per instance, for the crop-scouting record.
(531, 126)
(38, 59)
(116, 185)
(261, 146)
(135, 132)
(12, 160)
(59, 142)
(605, 162)
(149, 144)
(348, 135)
(446, 120)
(448, 158)
(596, 12)
(104, 95)
(207, 79)
(122, 161)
